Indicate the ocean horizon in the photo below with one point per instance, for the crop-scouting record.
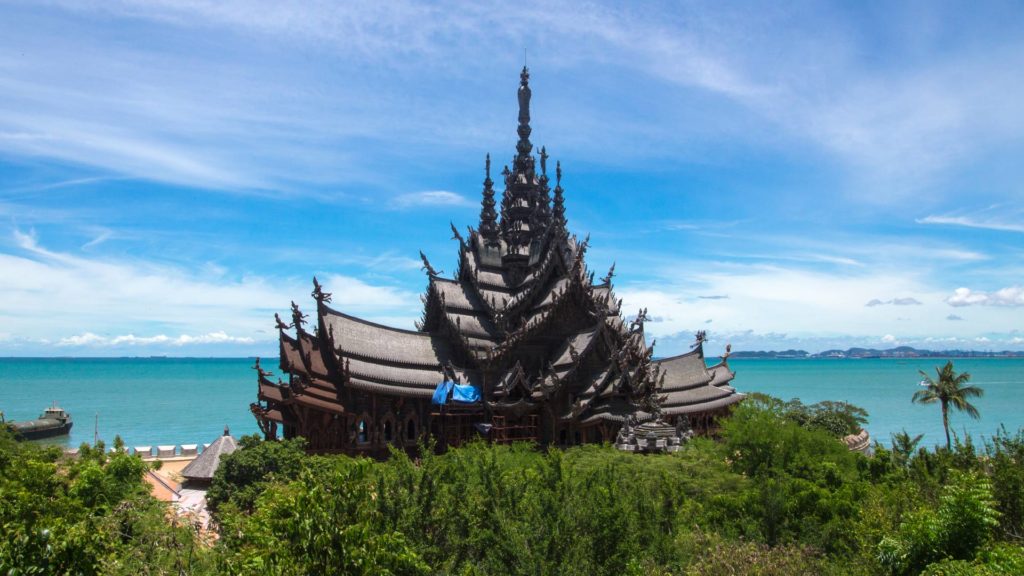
(150, 401)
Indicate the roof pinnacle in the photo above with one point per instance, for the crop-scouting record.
(488, 216)
(558, 208)
(524, 146)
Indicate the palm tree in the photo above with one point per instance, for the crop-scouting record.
(903, 446)
(949, 390)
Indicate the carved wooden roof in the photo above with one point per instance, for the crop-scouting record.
(522, 296)
(351, 336)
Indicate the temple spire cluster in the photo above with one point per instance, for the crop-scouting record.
(520, 343)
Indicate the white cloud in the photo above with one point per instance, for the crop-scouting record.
(85, 339)
(763, 298)
(889, 339)
(48, 294)
(90, 339)
(1010, 296)
(431, 198)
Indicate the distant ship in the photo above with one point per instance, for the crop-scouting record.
(54, 421)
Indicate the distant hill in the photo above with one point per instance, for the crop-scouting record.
(898, 352)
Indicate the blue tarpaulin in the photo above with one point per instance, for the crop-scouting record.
(464, 394)
(441, 392)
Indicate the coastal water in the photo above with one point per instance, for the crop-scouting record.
(153, 401)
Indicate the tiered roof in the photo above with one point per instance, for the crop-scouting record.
(522, 318)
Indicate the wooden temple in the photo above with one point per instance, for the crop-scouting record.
(522, 324)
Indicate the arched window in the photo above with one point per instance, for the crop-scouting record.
(362, 432)
(410, 430)
(389, 432)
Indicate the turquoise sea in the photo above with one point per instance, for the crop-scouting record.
(152, 401)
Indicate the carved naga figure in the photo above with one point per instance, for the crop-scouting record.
(298, 318)
(318, 294)
(427, 267)
(638, 323)
(280, 324)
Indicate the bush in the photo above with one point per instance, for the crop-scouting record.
(86, 515)
(1004, 463)
(961, 526)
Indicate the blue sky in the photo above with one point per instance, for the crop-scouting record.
(808, 175)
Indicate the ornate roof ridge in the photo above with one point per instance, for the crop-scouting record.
(374, 324)
(393, 382)
(342, 354)
(698, 350)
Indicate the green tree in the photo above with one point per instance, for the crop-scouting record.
(948, 389)
(903, 447)
(244, 474)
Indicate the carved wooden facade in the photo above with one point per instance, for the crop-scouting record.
(522, 319)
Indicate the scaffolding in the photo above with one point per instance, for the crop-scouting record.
(523, 430)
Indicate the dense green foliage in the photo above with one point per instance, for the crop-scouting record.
(255, 466)
(837, 418)
(87, 515)
(776, 494)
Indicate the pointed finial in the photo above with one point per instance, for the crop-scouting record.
(226, 431)
(611, 274)
(455, 233)
(487, 169)
(558, 172)
(524, 146)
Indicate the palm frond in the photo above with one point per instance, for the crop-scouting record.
(972, 391)
(924, 396)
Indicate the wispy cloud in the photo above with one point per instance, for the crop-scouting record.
(906, 302)
(101, 236)
(430, 198)
(902, 123)
(969, 222)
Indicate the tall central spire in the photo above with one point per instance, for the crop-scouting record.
(524, 147)
(525, 203)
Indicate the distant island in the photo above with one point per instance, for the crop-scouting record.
(898, 352)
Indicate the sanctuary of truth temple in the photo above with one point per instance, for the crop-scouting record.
(520, 344)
